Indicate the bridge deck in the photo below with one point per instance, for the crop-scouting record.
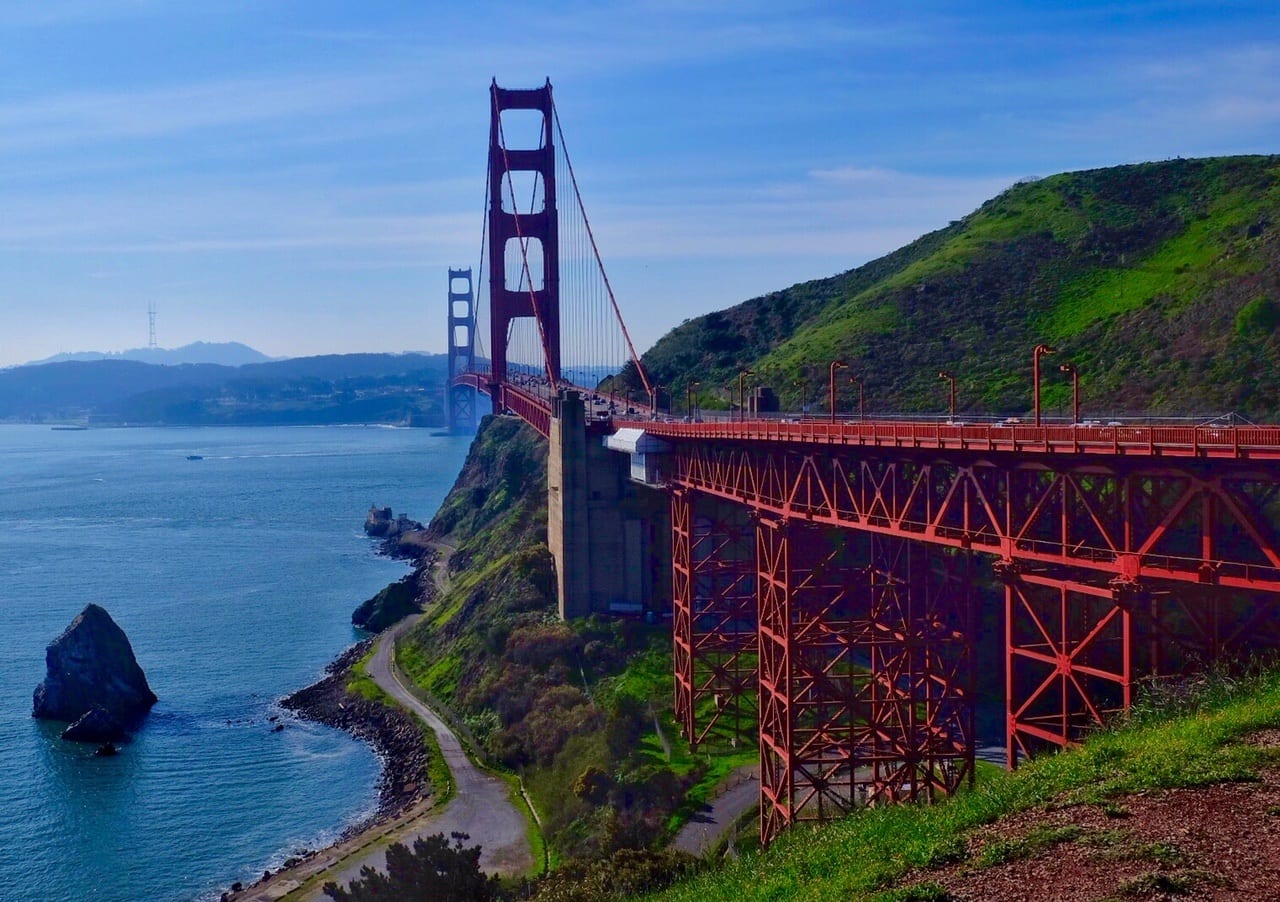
(532, 404)
(1232, 442)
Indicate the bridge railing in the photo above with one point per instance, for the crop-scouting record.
(1258, 442)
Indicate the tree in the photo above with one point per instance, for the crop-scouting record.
(435, 869)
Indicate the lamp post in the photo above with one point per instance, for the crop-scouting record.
(862, 398)
(688, 397)
(1075, 391)
(654, 397)
(952, 406)
(1039, 352)
(742, 394)
(803, 386)
(835, 365)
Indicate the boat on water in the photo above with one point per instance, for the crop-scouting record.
(68, 427)
(194, 457)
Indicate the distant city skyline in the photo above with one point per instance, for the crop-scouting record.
(299, 177)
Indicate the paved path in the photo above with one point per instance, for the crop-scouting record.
(481, 805)
(702, 831)
(740, 793)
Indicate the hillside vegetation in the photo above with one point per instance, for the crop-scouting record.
(1182, 801)
(1160, 281)
(575, 708)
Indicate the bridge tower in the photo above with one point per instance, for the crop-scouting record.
(517, 236)
(461, 400)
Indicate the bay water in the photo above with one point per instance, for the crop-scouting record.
(234, 576)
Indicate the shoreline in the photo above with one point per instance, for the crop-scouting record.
(396, 738)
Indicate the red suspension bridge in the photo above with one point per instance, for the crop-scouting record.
(828, 578)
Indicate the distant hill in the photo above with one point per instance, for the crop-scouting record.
(228, 353)
(1160, 281)
(340, 388)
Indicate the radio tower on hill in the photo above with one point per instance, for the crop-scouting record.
(151, 320)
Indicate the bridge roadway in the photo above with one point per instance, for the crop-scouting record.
(532, 402)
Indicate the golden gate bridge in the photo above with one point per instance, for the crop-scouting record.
(824, 571)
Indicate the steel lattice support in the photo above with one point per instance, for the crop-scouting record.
(714, 615)
(922, 680)
(1069, 657)
(865, 672)
(1185, 521)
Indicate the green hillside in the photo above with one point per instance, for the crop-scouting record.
(1183, 801)
(1158, 280)
(580, 709)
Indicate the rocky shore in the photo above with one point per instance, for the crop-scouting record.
(394, 735)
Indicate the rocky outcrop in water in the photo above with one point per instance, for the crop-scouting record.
(92, 680)
(391, 605)
(401, 537)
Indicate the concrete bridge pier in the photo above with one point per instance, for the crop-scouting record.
(608, 535)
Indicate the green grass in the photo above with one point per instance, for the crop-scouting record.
(361, 684)
(1032, 843)
(1181, 268)
(866, 853)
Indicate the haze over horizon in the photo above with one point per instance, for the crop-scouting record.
(298, 178)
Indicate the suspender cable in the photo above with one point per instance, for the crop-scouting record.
(596, 251)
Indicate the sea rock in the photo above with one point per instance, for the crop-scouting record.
(391, 605)
(401, 536)
(91, 665)
(97, 725)
(378, 522)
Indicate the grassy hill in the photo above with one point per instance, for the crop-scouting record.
(1160, 281)
(1183, 801)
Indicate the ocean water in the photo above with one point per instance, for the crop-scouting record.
(234, 577)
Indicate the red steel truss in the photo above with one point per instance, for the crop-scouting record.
(1115, 571)
(713, 614)
(865, 672)
(1185, 521)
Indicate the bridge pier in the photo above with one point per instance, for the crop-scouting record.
(607, 535)
(713, 596)
(865, 672)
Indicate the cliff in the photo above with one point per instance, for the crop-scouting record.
(93, 676)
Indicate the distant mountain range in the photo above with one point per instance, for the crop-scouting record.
(226, 353)
(345, 388)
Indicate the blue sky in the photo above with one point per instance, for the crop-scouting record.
(299, 175)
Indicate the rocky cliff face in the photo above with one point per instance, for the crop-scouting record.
(91, 669)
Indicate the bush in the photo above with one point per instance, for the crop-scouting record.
(435, 869)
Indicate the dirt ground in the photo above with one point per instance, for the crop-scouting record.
(1216, 842)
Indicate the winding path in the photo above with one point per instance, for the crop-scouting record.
(481, 807)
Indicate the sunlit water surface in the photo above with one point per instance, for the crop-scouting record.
(234, 577)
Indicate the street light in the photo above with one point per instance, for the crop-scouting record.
(688, 397)
(1075, 390)
(862, 398)
(742, 393)
(803, 386)
(1035, 377)
(835, 365)
(951, 379)
(655, 395)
